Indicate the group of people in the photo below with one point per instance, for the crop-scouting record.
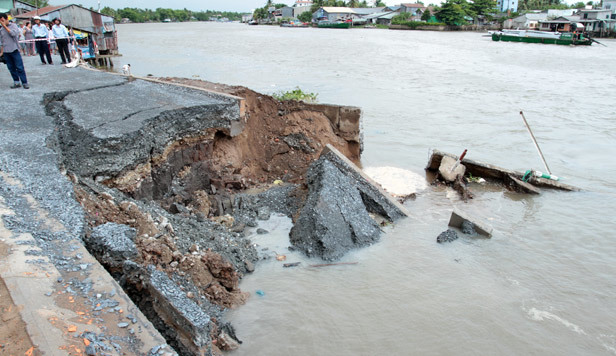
(46, 37)
(17, 40)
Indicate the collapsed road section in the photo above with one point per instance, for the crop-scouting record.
(162, 171)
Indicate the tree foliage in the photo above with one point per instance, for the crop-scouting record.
(39, 3)
(453, 12)
(426, 15)
(160, 14)
(305, 16)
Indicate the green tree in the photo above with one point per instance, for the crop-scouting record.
(39, 3)
(426, 15)
(578, 5)
(353, 3)
(379, 3)
(109, 11)
(452, 12)
(483, 7)
(305, 16)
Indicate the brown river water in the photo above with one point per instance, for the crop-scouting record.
(545, 284)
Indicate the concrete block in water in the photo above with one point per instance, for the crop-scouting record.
(334, 219)
(446, 171)
(377, 200)
(458, 217)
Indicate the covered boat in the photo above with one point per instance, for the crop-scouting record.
(530, 36)
(334, 24)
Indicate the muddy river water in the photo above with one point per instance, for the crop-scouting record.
(545, 284)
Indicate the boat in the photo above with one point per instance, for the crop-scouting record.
(253, 22)
(334, 24)
(531, 36)
(293, 23)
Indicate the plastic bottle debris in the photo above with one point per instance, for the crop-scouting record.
(294, 264)
(281, 257)
(260, 293)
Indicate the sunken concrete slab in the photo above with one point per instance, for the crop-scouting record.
(458, 217)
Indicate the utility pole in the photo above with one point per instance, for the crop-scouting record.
(99, 5)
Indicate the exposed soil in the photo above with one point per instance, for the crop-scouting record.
(14, 339)
(280, 139)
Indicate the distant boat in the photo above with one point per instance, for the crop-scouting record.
(334, 24)
(253, 22)
(530, 36)
(293, 23)
(167, 20)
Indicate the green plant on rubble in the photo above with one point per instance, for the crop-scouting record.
(471, 178)
(296, 94)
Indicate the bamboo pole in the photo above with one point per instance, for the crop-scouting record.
(536, 144)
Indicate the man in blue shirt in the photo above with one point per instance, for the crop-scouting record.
(9, 37)
(41, 37)
(60, 33)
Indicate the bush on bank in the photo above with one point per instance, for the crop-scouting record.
(415, 24)
(296, 94)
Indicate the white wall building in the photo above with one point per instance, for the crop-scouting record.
(507, 5)
(609, 5)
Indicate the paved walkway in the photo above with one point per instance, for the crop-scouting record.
(69, 302)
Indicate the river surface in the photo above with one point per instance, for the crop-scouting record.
(544, 284)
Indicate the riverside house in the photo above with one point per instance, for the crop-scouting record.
(333, 14)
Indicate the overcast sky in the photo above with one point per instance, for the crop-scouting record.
(229, 5)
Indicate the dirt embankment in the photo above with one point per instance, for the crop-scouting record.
(280, 139)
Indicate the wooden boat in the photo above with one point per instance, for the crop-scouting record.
(530, 36)
(336, 24)
(293, 23)
(507, 177)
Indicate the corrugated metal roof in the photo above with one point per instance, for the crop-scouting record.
(338, 10)
(41, 11)
(367, 10)
(386, 15)
(418, 6)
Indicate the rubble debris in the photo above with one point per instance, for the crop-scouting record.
(113, 243)
(458, 218)
(450, 170)
(468, 228)
(294, 264)
(447, 236)
(334, 264)
(171, 304)
(495, 174)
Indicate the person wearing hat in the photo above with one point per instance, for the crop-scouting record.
(9, 37)
(41, 37)
(60, 33)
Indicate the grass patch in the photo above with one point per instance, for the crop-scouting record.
(296, 94)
